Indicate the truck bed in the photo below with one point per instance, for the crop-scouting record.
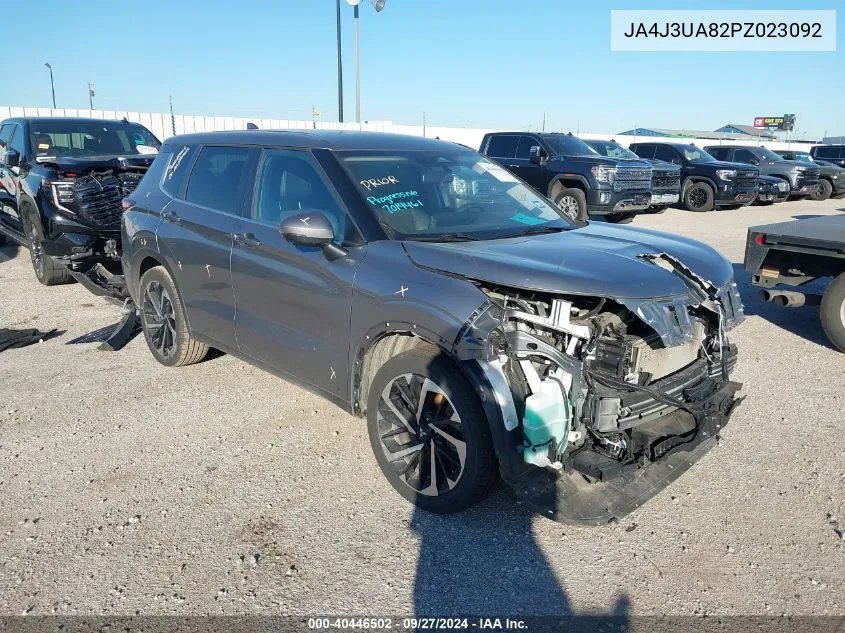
(826, 233)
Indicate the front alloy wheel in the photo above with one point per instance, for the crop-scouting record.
(569, 206)
(36, 252)
(421, 435)
(429, 433)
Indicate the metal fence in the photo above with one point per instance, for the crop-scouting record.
(162, 125)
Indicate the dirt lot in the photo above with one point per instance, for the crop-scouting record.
(127, 487)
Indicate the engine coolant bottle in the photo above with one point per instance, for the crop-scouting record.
(546, 422)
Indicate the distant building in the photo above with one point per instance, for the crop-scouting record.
(748, 130)
(834, 140)
(716, 136)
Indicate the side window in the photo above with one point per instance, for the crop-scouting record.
(502, 146)
(289, 183)
(744, 156)
(17, 141)
(664, 152)
(216, 177)
(523, 149)
(826, 152)
(5, 135)
(643, 150)
(719, 153)
(178, 166)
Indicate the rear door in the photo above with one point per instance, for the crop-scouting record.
(293, 304)
(719, 153)
(502, 149)
(196, 234)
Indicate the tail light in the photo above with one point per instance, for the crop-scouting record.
(760, 239)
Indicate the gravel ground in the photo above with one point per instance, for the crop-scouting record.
(127, 487)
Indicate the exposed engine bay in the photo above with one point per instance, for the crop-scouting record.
(601, 388)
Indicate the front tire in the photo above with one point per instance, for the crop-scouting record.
(47, 270)
(833, 312)
(824, 190)
(699, 196)
(163, 321)
(572, 203)
(429, 433)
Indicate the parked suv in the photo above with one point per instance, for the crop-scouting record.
(61, 183)
(832, 153)
(705, 182)
(417, 283)
(803, 178)
(569, 172)
(831, 179)
(665, 177)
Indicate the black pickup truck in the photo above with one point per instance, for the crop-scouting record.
(579, 180)
(61, 185)
(705, 182)
(796, 253)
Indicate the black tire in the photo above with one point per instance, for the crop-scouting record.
(833, 312)
(824, 191)
(699, 196)
(2, 240)
(163, 321)
(572, 203)
(620, 218)
(456, 485)
(47, 270)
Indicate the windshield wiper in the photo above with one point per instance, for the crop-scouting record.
(446, 237)
(535, 230)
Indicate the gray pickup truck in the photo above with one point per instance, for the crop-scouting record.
(803, 178)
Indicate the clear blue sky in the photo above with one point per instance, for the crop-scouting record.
(498, 63)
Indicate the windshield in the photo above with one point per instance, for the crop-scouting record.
(566, 145)
(612, 149)
(448, 194)
(91, 138)
(696, 155)
(768, 154)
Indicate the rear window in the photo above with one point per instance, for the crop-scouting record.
(216, 177)
(503, 146)
(178, 166)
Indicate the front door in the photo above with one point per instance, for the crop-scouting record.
(521, 164)
(293, 304)
(195, 235)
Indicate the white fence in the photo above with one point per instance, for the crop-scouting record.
(162, 125)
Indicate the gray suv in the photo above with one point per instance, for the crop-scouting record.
(803, 178)
(418, 284)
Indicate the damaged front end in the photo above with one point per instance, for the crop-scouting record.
(604, 401)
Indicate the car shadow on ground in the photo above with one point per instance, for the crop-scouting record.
(803, 322)
(807, 216)
(9, 251)
(485, 560)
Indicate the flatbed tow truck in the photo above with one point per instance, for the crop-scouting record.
(796, 253)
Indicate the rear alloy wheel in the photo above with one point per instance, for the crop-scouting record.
(429, 433)
(833, 312)
(47, 270)
(572, 203)
(699, 197)
(163, 321)
(823, 191)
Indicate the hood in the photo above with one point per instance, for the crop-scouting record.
(600, 260)
(662, 165)
(723, 164)
(769, 180)
(83, 163)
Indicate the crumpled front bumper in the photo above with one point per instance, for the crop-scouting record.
(676, 442)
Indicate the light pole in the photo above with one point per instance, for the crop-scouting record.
(52, 87)
(378, 5)
(90, 95)
(339, 70)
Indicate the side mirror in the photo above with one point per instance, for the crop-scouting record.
(12, 158)
(536, 154)
(311, 229)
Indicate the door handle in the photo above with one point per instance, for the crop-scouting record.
(247, 239)
(171, 216)
(512, 166)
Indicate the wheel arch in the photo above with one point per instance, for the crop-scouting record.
(566, 181)
(146, 260)
(689, 181)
